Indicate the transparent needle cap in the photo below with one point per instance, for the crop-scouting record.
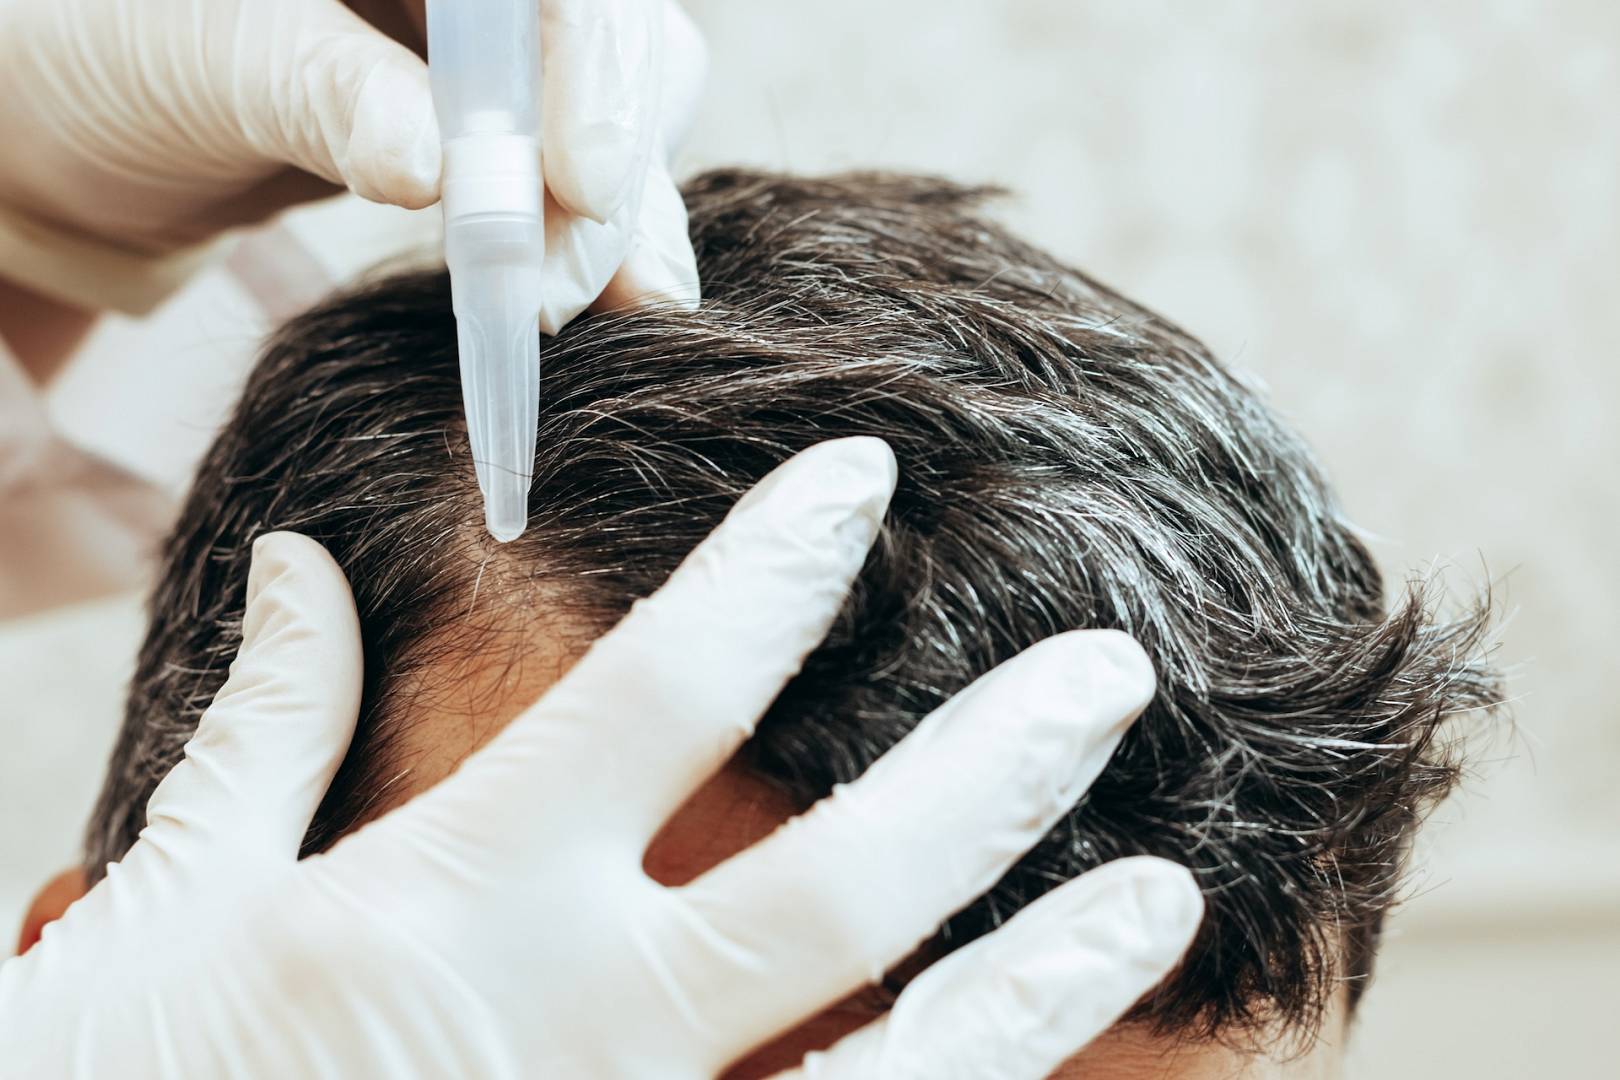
(484, 64)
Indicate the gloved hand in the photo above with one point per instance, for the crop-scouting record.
(501, 924)
(137, 131)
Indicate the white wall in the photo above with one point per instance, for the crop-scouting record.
(1401, 216)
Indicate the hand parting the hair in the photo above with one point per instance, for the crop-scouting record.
(501, 923)
(151, 127)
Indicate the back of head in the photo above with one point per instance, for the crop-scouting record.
(1067, 459)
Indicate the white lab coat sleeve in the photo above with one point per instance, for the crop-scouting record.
(73, 525)
(92, 273)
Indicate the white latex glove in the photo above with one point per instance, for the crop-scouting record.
(138, 129)
(501, 924)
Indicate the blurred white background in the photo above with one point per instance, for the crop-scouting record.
(1401, 217)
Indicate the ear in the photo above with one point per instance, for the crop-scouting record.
(50, 904)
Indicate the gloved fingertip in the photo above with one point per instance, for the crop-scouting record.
(423, 171)
(394, 154)
(595, 172)
(1161, 898)
(859, 470)
(561, 303)
(291, 574)
(275, 554)
(1170, 901)
(274, 550)
(651, 277)
(1137, 680)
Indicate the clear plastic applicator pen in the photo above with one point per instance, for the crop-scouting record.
(484, 65)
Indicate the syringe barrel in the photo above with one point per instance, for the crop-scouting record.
(484, 64)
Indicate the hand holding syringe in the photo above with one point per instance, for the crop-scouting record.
(119, 102)
(148, 131)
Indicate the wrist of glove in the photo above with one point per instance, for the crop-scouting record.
(88, 272)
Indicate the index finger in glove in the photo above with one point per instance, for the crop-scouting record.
(658, 704)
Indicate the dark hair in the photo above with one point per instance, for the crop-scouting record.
(1067, 459)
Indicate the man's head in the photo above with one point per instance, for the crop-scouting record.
(1067, 459)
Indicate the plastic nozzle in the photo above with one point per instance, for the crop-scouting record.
(498, 335)
(484, 64)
